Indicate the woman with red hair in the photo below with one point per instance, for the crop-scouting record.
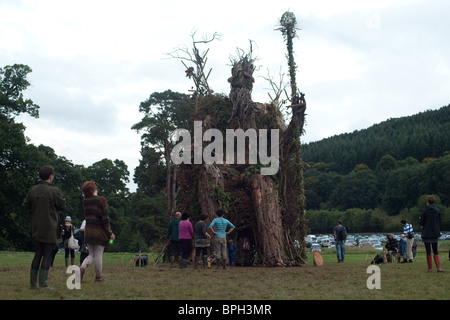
(98, 230)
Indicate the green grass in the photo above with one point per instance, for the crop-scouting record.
(161, 282)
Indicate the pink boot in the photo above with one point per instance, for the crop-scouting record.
(437, 261)
(429, 263)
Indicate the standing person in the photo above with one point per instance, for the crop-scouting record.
(408, 236)
(232, 253)
(431, 222)
(202, 239)
(185, 238)
(68, 230)
(84, 252)
(43, 201)
(172, 235)
(97, 232)
(340, 234)
(58, 239)
(219, 226)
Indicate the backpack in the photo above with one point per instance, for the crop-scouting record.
(343, 233)
(378, 259)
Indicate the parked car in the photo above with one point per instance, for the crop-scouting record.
(325, 243)
(350, 243)
(377, 247)
(315, 247)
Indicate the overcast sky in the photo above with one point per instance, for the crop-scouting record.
(359, 62)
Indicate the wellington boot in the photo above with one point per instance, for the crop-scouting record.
(34, 278)
(43, 279)
(205, 262)
(437, 262)
(429, 263)
(196, 263)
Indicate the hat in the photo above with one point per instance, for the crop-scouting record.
(68, 218)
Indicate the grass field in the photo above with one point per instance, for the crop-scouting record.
(331, 281)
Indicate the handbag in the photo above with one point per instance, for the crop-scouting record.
(73, 243)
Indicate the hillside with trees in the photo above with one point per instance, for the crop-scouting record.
(384, 171)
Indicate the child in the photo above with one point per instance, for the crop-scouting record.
(232, 252)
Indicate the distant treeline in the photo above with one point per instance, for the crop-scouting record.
(383, 171)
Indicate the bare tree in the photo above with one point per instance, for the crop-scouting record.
(195, 62)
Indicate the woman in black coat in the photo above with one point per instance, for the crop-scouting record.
(431, 222)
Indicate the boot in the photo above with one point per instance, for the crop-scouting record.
(224, 263)
(205, 262)
(72, 261)
(437, 261)
(67, 262)
(429, 263)
(43, 279)
(196, 263)
(34, 278)
(218, 263)
(172, 260)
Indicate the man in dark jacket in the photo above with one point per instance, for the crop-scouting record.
(172, 235)
(391, 247)
(43, 202)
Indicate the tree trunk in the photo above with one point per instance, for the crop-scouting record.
(268, 217)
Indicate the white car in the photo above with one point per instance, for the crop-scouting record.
(377, 247)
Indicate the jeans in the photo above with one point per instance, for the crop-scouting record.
(95, 253)
(43, 253)
(340, 250)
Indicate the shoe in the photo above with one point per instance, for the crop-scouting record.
(99, 279)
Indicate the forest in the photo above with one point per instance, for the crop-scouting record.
(374, 177)
(370, 178)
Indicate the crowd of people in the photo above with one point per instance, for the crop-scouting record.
(180, 234)
(44, 202)
(430, 220)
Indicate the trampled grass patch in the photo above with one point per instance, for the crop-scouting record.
(332, 281)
